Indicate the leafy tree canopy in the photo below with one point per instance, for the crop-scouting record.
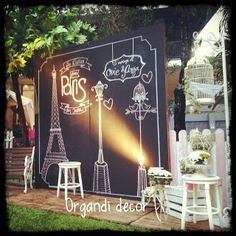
(115, 19)
(42, 29)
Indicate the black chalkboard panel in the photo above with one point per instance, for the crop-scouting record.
(130, 68)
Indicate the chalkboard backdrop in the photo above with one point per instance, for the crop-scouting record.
(130, 66)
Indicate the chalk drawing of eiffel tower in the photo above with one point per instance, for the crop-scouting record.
(54, 155)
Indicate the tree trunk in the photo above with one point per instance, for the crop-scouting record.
(179, 109)
(180, 99)
(20, 109)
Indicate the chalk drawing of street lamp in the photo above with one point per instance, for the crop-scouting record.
(140, 110)
(101, 180)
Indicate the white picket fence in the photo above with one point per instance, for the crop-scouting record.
(219, 166)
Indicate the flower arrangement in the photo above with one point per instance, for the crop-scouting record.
(198, 158)
(158, 175)
(201, 141)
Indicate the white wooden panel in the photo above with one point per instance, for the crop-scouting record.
(183, 144)
(206, 131)
(221, 163)
(188, 218)
(173, 157)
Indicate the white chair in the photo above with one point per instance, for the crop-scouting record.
(67, 168)
(28, 170)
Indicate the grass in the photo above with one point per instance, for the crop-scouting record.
(37, 220)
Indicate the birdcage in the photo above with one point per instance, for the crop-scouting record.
(200, 80)
(139, 93)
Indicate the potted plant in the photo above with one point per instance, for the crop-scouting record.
(158, 178)
(199, 158)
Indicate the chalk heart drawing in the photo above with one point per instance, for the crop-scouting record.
(147, 78)
(108, 103)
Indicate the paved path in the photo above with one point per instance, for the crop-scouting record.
(110, 209)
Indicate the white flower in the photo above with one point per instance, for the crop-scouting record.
(159, 171)
(150, 191)
(198, 156)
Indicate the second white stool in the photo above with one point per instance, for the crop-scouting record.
(207, 209)
(67, 167)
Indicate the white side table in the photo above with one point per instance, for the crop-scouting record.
(66, 167)
(208, 210)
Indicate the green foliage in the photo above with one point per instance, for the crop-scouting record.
(171, 105)
(226, 20)
(216, 62)
(16, 60)
(42, 29)
(115, 19)
(204, 155)
(37, 220)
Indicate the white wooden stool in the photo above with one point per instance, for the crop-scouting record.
(207, 209)
(67, 167)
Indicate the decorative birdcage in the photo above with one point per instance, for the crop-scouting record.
(199, 77)
(139, 93)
